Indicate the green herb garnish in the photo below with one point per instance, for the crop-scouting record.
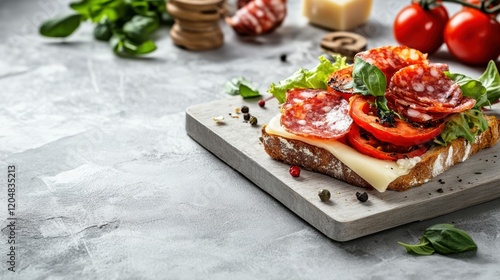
(241, 86)
(367, 79)
(442, 239)
(126, 24)
(303, 78)
(485, 90)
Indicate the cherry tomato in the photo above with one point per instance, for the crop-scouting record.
(473, 37)
(419, 28)
(401, 134)
(366, 144)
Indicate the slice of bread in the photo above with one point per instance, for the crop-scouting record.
(434, 162)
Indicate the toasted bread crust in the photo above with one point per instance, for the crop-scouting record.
(434, 162)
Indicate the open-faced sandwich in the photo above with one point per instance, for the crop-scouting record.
(391, 120)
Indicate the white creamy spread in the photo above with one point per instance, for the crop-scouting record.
(379, 173)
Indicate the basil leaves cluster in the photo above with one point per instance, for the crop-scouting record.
(442, 239)
(126, 24)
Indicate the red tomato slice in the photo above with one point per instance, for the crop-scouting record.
(366, 144)
(401, 134)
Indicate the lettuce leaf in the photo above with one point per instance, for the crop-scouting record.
(466, 124)
(315, 78)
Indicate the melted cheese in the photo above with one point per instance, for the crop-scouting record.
(337, 14)
(379, 173)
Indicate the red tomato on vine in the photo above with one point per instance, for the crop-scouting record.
(473, 37)
(421, 27)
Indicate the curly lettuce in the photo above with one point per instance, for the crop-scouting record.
(315, 78)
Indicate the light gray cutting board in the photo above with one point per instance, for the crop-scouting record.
(344, 217)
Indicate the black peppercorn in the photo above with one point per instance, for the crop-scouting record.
(283, 57)
(245, 109)
(253, 120)
(246, 116)
(324, 195)
(363, 197)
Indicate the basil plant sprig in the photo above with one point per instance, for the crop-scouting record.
(442, 239)
(126, 24)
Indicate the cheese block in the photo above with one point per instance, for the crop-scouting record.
(337, 14)
(378, 173)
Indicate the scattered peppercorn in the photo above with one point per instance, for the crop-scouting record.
(324, 195)
(253, 120)
(262, 103)
(246, 116)
(283, 57)
(294, 171)
(363, 197)
(478, 172)
(440, 190)
(245, 109)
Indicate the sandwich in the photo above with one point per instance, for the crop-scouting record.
(392, 120)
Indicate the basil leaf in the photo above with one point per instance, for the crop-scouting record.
(235, 85)
(491, 81)
(367, 79)
(139, 27)
(463, 125)
(315, 78)
(102, 31)
(446, 239)
(60, 26)
(423, 248)
(145, 47)
(247, 92)
(471, 88)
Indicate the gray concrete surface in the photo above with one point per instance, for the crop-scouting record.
(109, 186)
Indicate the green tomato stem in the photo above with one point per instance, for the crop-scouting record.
(483, 5)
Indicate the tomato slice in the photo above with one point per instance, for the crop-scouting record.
(401, 134)
(367, 144)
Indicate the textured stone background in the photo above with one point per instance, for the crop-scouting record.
(111, 187)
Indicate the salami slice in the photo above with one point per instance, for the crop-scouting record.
(426, 89)
(298, 95)
(390, 59)
(324, 116)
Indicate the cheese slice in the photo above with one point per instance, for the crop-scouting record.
(337, 14)
(379, 173)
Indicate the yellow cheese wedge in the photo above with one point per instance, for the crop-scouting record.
(337, 14)
(379, 173)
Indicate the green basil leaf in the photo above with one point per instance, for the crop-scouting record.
(446, 239)
(471, 88)
(61, 26)
(367, 79)
(491, 81)
(82, 7)
(233, 87)
(423, 248)
(247, 92)
(103, 31)
(139, 27)
(315, 78)
(145, 48)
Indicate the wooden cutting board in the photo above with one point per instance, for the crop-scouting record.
(344, 217)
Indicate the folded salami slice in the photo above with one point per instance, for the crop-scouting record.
(426, 89)
(390, 59)
(326, 116)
